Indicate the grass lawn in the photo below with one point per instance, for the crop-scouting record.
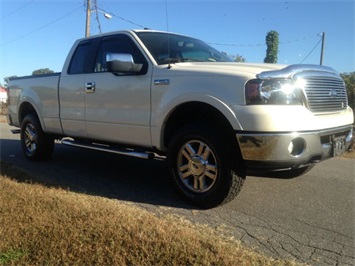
(50, 226)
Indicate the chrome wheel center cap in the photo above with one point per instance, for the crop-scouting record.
(197, 166)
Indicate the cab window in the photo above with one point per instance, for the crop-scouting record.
(118, 44)
(82, 59)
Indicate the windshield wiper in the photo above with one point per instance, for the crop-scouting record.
(192, 60)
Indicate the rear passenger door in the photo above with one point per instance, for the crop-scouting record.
(117, 105)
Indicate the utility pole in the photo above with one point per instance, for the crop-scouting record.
(322, 50)
(88, 17)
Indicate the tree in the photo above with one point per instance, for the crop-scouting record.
(349, 79)
(272, 43)
(239, 58)
(42, 71)
(6, 80)
(235, 58)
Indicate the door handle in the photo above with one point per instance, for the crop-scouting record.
(90, 87)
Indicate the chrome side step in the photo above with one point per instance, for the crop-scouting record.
(15, 131)
(107, 148)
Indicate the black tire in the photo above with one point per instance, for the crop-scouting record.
(202, 165)
(36, 145)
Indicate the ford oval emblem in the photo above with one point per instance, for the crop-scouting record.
(333, 93)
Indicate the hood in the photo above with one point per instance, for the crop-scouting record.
(224, 68)
(247, 70)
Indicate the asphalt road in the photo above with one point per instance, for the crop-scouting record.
(310, 218)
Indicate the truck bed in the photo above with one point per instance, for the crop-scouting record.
(42, 92)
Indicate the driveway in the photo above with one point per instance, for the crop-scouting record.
(310, 218)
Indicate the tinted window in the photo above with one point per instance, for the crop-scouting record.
(82, 59)
(118, 44)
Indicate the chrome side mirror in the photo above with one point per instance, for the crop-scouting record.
(122, 63)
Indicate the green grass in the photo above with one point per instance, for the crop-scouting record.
(11, 256)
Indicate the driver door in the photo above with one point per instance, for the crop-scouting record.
(117, 105)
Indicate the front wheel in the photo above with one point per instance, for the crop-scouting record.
(202, 166)
(36, 145)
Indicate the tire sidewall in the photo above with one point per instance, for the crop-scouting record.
(44, 143)
(220, 149)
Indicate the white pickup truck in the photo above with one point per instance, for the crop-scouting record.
(147, 93)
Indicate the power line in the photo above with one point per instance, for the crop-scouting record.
(311, 51)
(235, 45)
(259, 44)
(42, 27)
(18, 9)
(97, 16)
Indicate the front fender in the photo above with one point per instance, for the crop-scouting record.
(163, 112)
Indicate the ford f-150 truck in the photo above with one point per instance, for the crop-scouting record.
(147, 93)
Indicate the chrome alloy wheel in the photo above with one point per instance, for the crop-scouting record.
(197, 166)
(30, 139)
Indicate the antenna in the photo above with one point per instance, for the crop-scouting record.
(167, 30)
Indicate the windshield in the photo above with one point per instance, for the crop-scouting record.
(181, 48)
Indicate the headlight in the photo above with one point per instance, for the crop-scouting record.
(273, 91)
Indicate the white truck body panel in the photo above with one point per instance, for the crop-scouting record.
(43, 98)
(288, 118)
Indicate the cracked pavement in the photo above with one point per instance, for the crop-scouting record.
(310, 219)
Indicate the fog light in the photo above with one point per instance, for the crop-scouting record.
(296, 146)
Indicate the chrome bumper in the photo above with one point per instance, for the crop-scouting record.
(277, 151)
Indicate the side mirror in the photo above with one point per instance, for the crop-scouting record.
(122, 63)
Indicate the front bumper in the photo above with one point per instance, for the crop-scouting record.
(282, 151)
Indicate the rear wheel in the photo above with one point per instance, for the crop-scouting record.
(202, 166)
(36, 145)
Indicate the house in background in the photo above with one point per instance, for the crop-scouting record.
(3, 101)
(3, 95)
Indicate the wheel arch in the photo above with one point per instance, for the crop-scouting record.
(192, 112)
(28, 108)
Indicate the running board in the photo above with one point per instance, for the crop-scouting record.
(15, 131)
(107, 148)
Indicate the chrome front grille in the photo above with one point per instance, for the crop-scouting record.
(325, 93)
